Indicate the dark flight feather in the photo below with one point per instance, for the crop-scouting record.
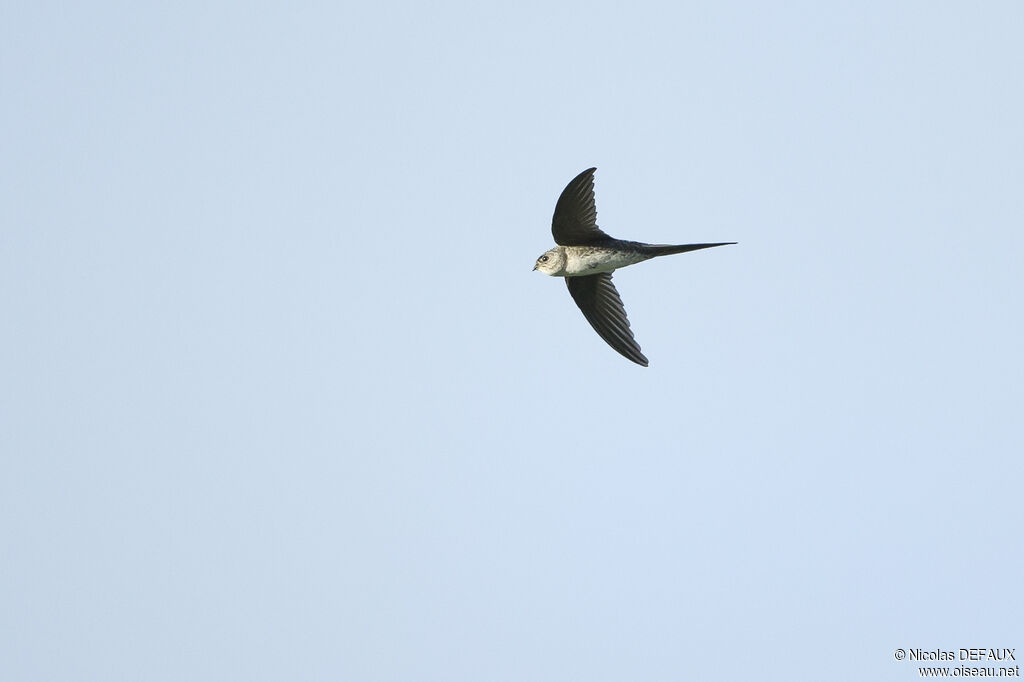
(597, 297)
(575, 220)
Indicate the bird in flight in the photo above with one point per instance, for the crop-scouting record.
(586, 257)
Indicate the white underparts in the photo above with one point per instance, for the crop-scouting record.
(591, 260)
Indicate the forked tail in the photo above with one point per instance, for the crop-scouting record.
(668, 249)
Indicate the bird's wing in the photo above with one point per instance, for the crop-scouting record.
(597, 298)
(575, 219)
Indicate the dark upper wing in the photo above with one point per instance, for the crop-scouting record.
(575, 219)
(597, 298)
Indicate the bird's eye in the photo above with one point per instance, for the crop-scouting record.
(543, 259)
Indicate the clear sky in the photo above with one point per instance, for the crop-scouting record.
(281, 399)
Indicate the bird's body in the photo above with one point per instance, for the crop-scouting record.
(586, 257)
(590, 260)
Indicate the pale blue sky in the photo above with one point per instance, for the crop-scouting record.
(282, 399)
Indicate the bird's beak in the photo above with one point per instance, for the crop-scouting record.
(534, 266)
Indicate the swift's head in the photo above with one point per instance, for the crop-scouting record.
(551, 262)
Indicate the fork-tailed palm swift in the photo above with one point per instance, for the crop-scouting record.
(586, 257)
